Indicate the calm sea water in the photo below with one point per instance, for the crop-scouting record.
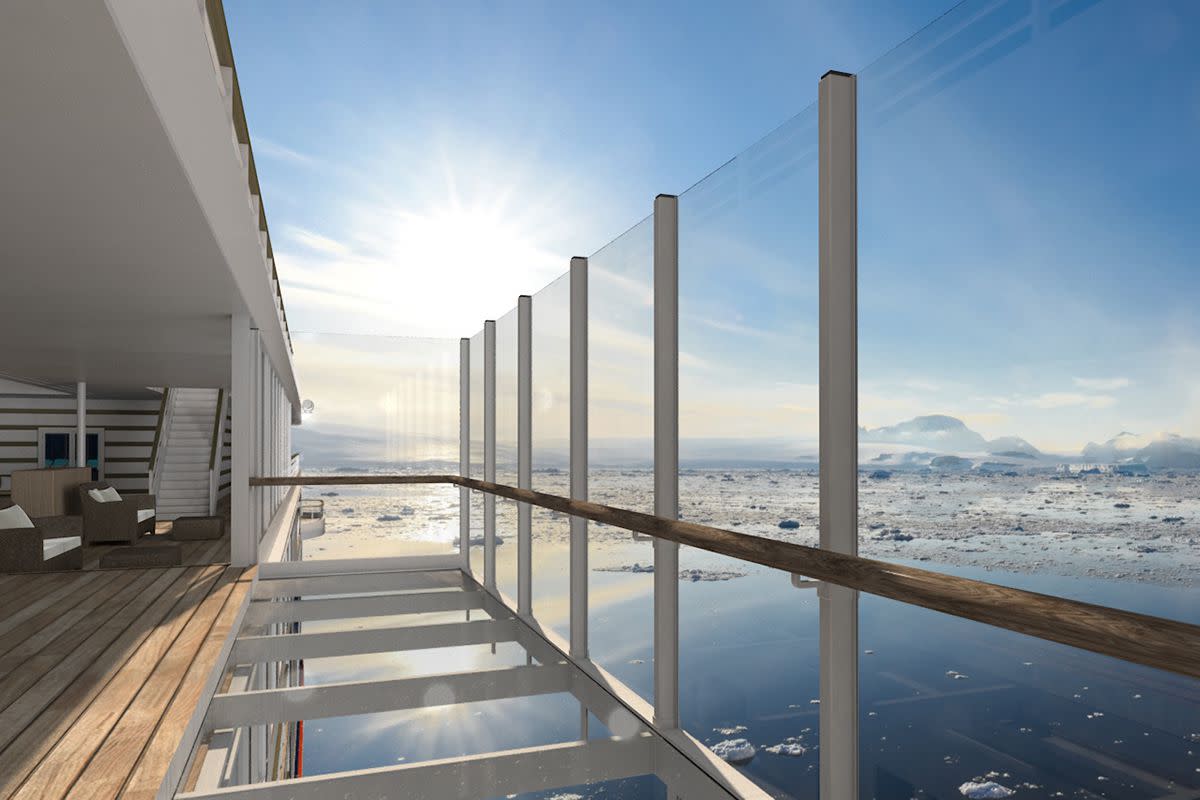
(948, 707)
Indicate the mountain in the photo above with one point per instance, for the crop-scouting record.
(1164, 451)
(910, 443)
(1013, 447)
(1122, 446)
(947, 434)
(934, 432)
(1171, 451)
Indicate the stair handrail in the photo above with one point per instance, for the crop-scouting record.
(213, 463)
(218, 416)
(164, 409)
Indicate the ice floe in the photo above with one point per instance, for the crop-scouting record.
(791, 746)
(986, 790)
(695, 575)
(690, 575)
(735, 751)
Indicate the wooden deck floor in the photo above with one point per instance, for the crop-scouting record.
(100, 672)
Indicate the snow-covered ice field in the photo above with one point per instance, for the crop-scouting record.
(1126, 528)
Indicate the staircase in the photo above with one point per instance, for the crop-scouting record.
(183, 470)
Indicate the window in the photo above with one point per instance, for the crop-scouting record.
(56, 449)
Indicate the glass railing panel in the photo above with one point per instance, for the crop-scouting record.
(378, 521)
(506, 453)
(551, 434)
(948, 707)
(968, 710)
(643, 787)
(748, 681)
(1026, 286)
(620, 454)
(748, 373)
(379, 405)
(475, 553)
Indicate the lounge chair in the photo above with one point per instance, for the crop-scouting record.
(123, 520)
(29, 550)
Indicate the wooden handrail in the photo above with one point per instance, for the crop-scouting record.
(162, 411)
(218, 424)
(1137, 638)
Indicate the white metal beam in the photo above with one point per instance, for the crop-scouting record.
(476, 777)
(243, 546)
(524, 453)
(666, 458)
(367, 697)
(281, 532)
(359, 583)
(464, 452)
(579, 455)
(489, 453)
(349, 566)
(838, 417)
(261, 649)
(265, 612)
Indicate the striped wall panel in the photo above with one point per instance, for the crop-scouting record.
(128, 427)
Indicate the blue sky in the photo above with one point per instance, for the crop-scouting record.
(1027, 190)
(381, 129)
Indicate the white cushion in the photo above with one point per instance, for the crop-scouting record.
(56, 547)
(145, 514)
(14, 517)
(107, 495)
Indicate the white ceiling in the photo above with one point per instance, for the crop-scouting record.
(109, 269)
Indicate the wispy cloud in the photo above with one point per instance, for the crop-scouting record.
(315, 241)
(1066, 399)
(272, 149)
(922, 385)
(1102, 384)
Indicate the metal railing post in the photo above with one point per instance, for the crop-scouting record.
(524, 453)
(579, 455)
(243, 545)
(838, 417)
(464, 451)
(666, 458)
(489, 453)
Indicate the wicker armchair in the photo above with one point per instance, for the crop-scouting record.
(22, 550)
(116, 521)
